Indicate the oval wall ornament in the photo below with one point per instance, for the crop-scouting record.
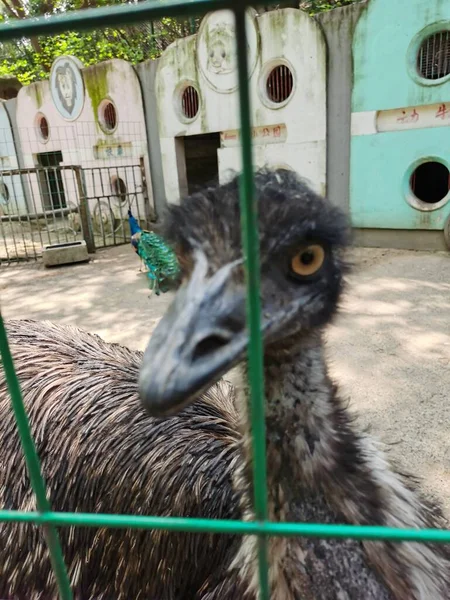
(67, 87)
(216, 49)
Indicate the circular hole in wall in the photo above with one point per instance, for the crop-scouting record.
(279, 84)
(119, 188)
(42, 127)
(107, 115)
(190, 102)
(433, 58)
(430, 182)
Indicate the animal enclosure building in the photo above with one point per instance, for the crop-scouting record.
(198, 109)
(91, 118)
(356, 100)
(81, 148)
(400, 155)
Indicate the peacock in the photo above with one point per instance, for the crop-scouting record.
(160, 260)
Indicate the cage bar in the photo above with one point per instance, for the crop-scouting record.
(261, 527)
(250, 243)
(34, 469)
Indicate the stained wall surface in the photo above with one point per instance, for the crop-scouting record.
(287, 64)
(93, 119)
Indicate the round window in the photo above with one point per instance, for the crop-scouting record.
(279, 84)
(427, 184)
(190, 102)
(42, 127)
(433, 58)
(107, 116)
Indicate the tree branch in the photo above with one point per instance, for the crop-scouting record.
(12, 13)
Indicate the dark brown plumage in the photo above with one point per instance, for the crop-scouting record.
(321, 468)
(101, 452)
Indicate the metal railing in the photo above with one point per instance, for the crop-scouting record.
(41, 206)
(35, 210)
(49, 520)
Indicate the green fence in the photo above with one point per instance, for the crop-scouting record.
(45, 517)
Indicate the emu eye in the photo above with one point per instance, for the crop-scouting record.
(308, 261)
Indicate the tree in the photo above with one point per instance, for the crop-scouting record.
(317, 6)
(31, 59)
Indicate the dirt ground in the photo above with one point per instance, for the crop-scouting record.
(389, 349)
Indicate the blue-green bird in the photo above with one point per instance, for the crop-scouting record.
(158, 257)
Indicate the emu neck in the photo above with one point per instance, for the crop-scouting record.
(299, 421)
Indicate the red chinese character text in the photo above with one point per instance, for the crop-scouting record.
(442, 112)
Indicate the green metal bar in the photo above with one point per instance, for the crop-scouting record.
(358, 532)
(32, 461)
(121, 16)
(113, 16)
(250, 242)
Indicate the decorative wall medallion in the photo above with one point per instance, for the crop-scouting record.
(216, 49)
(67, 87)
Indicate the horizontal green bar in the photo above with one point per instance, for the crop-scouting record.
(359, 532)
(118, 16)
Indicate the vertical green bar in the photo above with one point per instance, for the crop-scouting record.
(250, 240)
(32, 460)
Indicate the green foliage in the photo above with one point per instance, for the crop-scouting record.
(31, 59)
(317, 6)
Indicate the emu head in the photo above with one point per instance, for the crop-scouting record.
(204, 332)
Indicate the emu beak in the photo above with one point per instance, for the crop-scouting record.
(202, 335)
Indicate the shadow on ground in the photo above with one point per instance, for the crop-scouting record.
(108, 296)
(390, 350)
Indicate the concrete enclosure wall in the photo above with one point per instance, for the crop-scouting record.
(12, 196)
(356, 100)
(287, 131)
(401, 113)
(99, 127)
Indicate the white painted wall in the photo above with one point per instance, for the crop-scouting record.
(287, 36)
(83, 142)
(12, 196)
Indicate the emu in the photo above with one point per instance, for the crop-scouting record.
(321, 468)
(100, 452)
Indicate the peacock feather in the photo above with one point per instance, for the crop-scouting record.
(160, 260)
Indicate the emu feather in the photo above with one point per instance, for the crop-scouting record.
(321, 468)
(101, 452)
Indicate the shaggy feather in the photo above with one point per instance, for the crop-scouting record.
(101, 452)
(321, 467)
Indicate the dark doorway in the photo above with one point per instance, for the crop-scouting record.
(200, 152)
(51, 180)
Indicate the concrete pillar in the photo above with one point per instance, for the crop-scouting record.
(146, 72)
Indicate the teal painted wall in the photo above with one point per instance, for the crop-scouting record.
(384, 52)
(380, 174)
(385, 43)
